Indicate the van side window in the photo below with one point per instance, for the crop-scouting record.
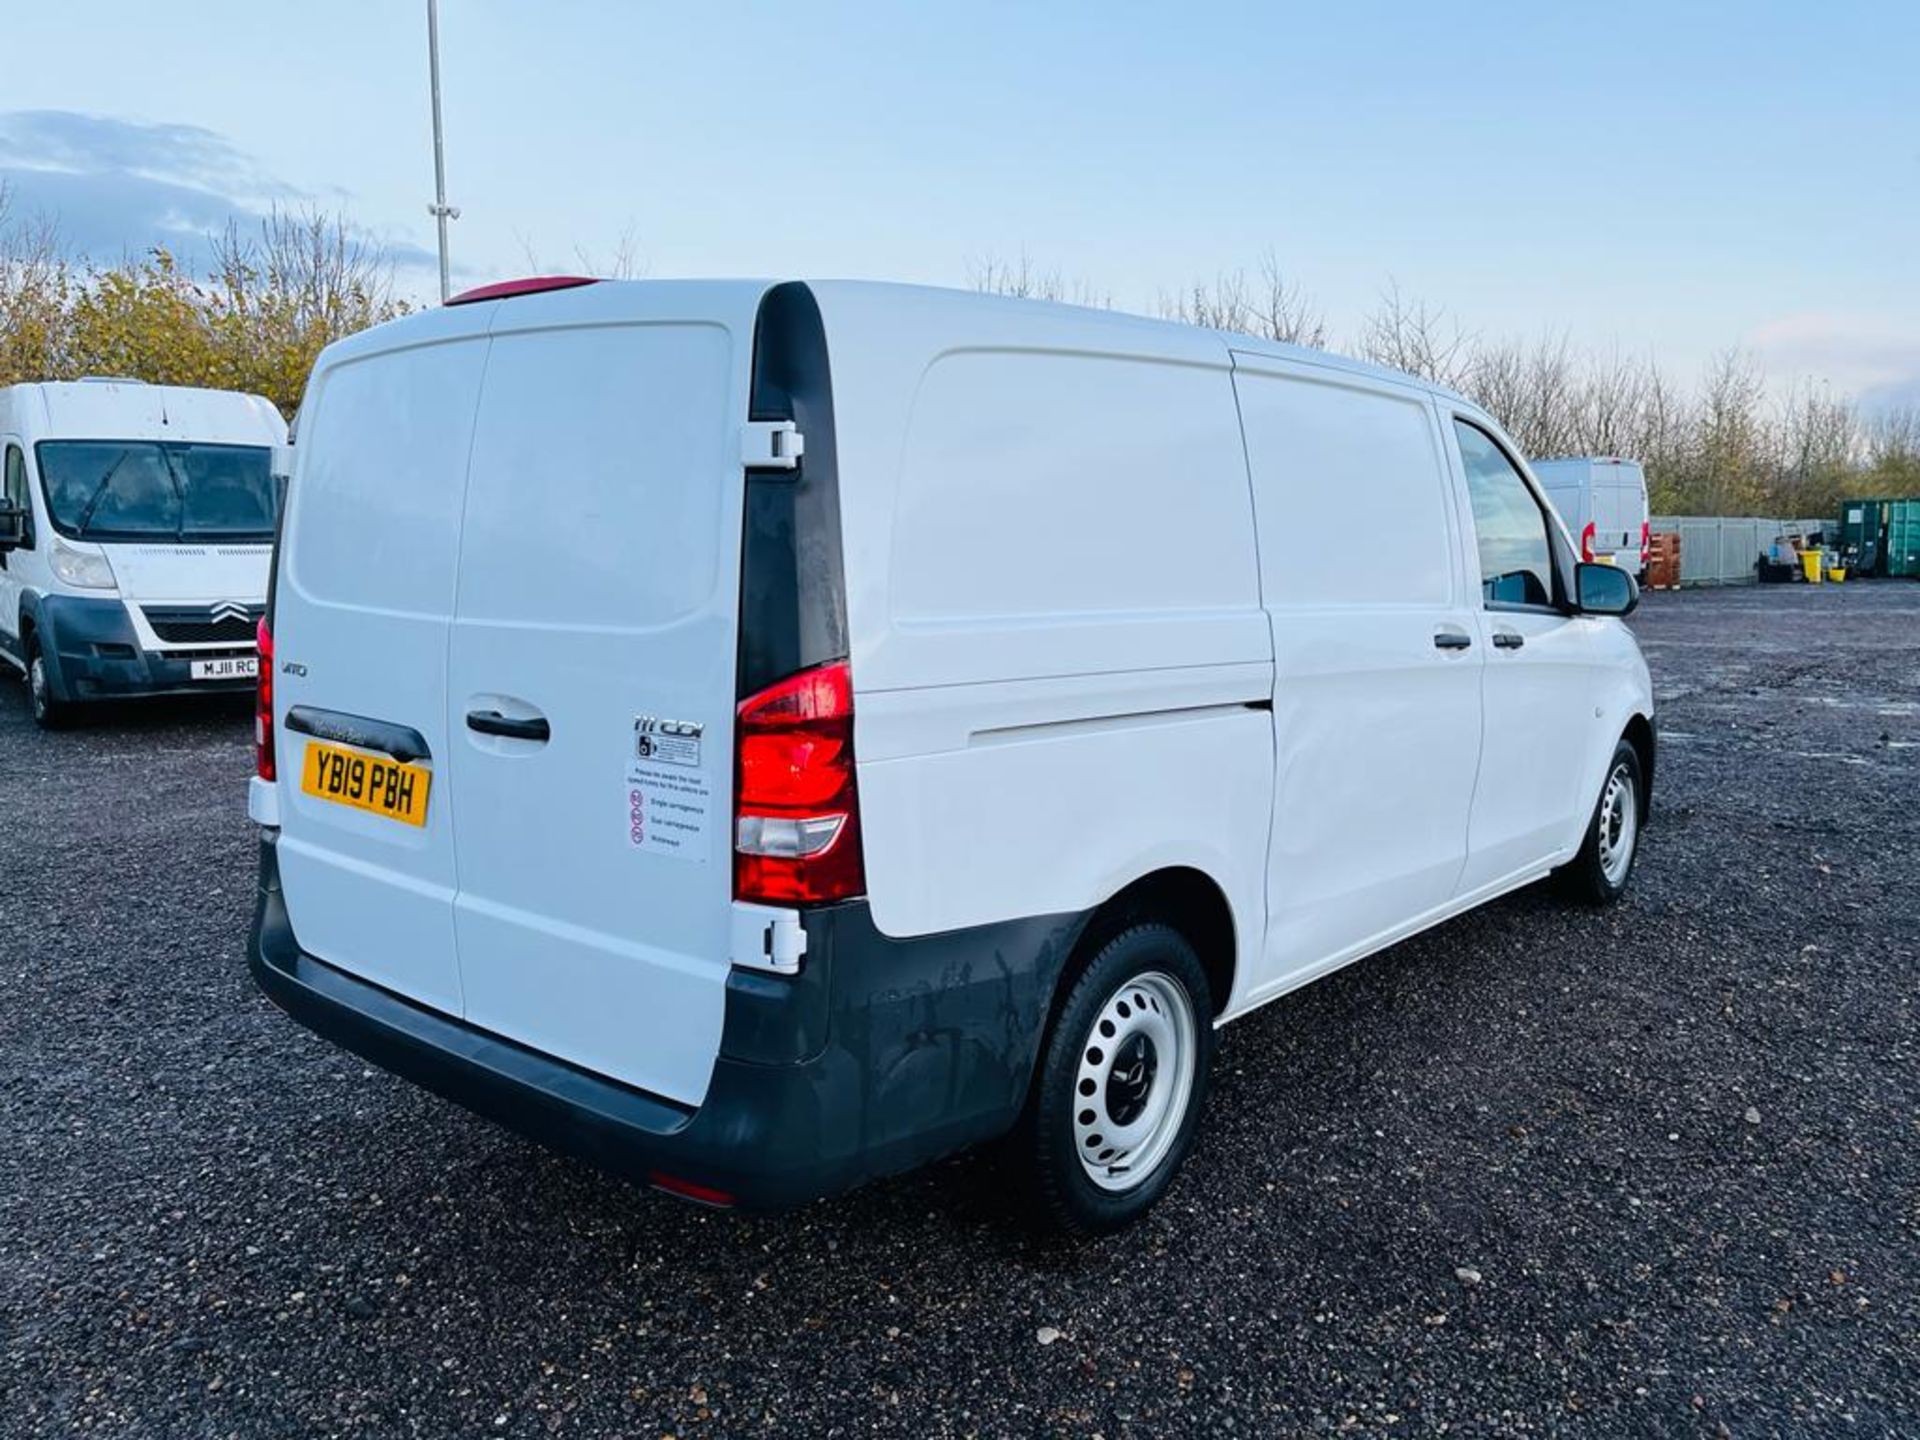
(16, 491)
(1516, 558)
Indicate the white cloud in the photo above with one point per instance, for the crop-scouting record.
(1871, 358)
(117, 187)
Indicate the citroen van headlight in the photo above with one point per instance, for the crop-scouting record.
(82, 569)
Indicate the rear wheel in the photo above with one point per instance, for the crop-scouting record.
(49, 711)
(1598, 875)
(1121, 1082)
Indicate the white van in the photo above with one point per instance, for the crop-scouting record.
(1603, 500)
(764, 736)
(136, 523)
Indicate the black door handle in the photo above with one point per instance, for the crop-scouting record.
(1508, 640)
(1452, 640)
(492, 722)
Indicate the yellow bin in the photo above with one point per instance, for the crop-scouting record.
(1837, 573)
(1810, 562)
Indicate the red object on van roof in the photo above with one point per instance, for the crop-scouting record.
(531, 285)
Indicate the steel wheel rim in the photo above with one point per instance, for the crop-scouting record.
(1134, 1080)
(37, 684)
(1619, 825)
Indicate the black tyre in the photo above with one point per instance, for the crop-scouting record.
(1598, 875)
(49, 711)
(1121, 1082)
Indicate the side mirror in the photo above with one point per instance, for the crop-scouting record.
(1605, 590)
(13, 527)
(280, 467)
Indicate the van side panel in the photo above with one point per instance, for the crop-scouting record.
(1054, 610)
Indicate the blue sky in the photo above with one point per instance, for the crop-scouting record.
(1664, 178)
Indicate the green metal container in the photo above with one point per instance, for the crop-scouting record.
(1861, 535)
(1903, 538)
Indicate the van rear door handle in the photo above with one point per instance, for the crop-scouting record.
(1508, 640)
(1452, 640)
(492, 722)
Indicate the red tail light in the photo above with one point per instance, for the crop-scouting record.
(1586, 542)
(263, 705)
(796, 816)
(1646, 542)
(690, 1190)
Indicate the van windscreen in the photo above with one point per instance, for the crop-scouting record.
(157, 490)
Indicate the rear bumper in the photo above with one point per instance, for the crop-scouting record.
(879, 1056)
(92, 652)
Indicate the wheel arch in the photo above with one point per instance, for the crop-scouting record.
(1186, 898)
(1639, 733)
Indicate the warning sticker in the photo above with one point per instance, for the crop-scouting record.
(667, 810)
(669, 742)
(667, 793)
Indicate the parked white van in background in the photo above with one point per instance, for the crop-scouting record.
(136, 523)
(1603, 501)
(764, 736)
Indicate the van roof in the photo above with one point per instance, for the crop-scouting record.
(117, 409)
(1145, 331)
(941, 311)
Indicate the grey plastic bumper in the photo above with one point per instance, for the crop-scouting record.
(879, 1056)
(92, 652)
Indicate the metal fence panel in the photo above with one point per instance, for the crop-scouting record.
(1719, 549)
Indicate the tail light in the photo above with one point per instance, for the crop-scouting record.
(796, 816)
(263, 705)
(1646, 542)
(690, 1190)
(1586, 542)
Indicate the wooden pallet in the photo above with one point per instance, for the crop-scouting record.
(1663, 561)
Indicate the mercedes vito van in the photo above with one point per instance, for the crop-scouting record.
(765, 736)
(136, 523)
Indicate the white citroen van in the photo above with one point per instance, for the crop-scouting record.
(136, 522)
(765, 736)
(1603, 501)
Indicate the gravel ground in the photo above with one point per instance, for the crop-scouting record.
(1655, 1170)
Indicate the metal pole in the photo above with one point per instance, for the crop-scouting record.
(440, 210)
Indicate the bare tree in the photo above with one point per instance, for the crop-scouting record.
(1893, 452)
(36, 286)
(624, 261)
(1278, 309)
(1412, 336)
(1021, 280)
(1286, 313)
(1613, 394)
(1730, 435)
(280, 292)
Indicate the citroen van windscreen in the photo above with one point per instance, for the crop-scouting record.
(157, 490)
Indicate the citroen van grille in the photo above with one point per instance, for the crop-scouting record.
(225, 623)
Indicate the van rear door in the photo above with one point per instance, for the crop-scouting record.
(363, 605)
(1616, 503)
(590, 678)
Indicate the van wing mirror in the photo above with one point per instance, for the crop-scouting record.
(280, 467)
(1605, 590)
(13, 527)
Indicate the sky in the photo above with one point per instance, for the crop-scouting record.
(1665, 179)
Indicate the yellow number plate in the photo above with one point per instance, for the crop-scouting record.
(367, 782)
